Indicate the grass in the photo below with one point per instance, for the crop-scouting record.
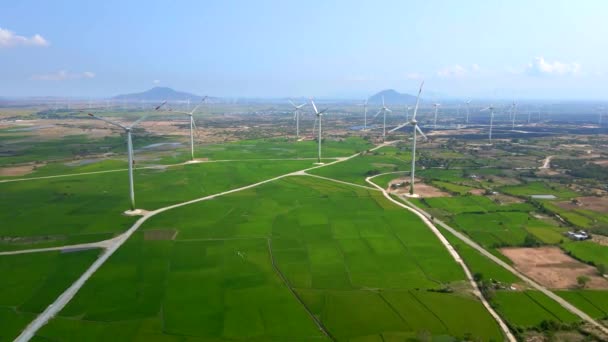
(355, 170)
(528, 309)
(31, 282)
(587, 251)
(539, 188)
(592, 302)
(89, 208)
(452, 188)
(363, 281)
(283, 148)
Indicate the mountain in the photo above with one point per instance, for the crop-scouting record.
(392, 97)
(159, 94)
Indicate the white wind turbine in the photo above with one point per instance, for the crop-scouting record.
(128, 130)
(296, 116)
(192, 124)
(513, 113)
(365, 114)
(383, 111)
(319, 118)
(436, 105)
(468, 103)
(491, 109)
(414, 123)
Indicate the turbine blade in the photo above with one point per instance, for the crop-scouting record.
(399, 127)
(137, 121)
(388, 110)
(314, 106)
(375, 116)
(160, 105)
(108, 121)
(293, 104)
(420, 131)
(417, 101)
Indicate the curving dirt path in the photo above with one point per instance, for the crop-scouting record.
(503, 326)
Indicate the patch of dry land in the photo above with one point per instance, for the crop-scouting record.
(422, 189)
(553, 268)
(594, 203)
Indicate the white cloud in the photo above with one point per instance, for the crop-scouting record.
(156, 81)
(63, 75)
(541, 67)
(454, 71)
(10, 39)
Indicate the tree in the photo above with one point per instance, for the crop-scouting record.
(601, 269)
(582, 281)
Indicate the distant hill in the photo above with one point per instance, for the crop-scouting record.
(392, 97)
(159, 94)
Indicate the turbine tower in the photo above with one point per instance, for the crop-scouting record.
(468, 103)
(414, 123)
(128, 130)
(436, 105)
(192, 124)
(383, 110)
(491, 109)
(513, 113)
(296, 116)
(365, 114)
(320, 119)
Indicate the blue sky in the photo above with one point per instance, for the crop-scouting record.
(495, 49)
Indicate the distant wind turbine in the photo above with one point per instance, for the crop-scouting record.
(436, 105)
(383, 111)
(192, 123)
(319, 118)
(296, 116)
(468, 103)
(128, 130)
(513, 113)
(414, 123)
(491, 109)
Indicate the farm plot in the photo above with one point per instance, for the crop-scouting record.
(89, 208)
(30, 282)
(592, 302)
(357, 169)
(528, 309)
(539, 188)
(283, 148)
(360, 264)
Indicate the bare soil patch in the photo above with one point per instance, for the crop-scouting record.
(422, 189)
(160, 234)
(594, 203)
(478, 192)
(600, 239)
(603, 162)
(553, 268)
(12, 171)
(506, 199)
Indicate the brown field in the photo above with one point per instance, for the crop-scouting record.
(160, 234)
(553, 268)
(603, 162)
(13, 171)
(424, 190)
(598, 204)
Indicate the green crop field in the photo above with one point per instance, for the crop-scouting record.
(529, 308)
(282, 148)
(592, 302)
(587, 251)
(216, 279)
(452, 188)
(355, 170)
(30, 282)
(89, 207)
(539, 188)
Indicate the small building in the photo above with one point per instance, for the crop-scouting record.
(578, 235)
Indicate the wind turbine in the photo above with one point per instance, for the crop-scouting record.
(320, 119)
(491, 109)
(436, 105)
(513, 113)
(383, 110)
(192, 124)
(296, 116)
(365, 114)
(468, 103)
(129, 148)
(414, 123)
